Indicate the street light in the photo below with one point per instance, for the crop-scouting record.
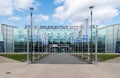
(28, 44)
(31, 23)
(96, 45)
(91, 7)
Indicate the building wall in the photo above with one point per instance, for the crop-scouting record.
(20, 40)
(1, 41)
(15, 39)
(111, 37)
(8, 37)
(108, 37)
(101, 40)
(118, 41)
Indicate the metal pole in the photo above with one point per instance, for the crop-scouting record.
(88, 46)
(74, 46)
(42, 44)
(91, 7)
(88, 49)
(33, 44)
(28, 45)
(38, 42)
(96, 48)
(82, 48)
(75, 43)
(51, 49)
(58, 43)
(31, 9)
(91, 38)
(48, 43)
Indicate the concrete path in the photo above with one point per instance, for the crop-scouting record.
(7, 60)
(22, 70)
(61, 58)
(115, 60)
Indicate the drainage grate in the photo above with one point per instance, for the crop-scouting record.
(8, 73)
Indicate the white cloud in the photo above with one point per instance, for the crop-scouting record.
(58, 1)
(41, 17)
(23, 4)
(38, 18)
(76, 11)
(14, 18)
(7, 7)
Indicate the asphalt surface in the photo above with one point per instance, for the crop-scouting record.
(61, 58)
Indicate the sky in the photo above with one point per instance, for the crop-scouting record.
(59, 12)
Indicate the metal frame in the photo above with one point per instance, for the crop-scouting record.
(91, 13)
(31, 23)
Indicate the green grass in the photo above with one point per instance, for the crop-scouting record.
(22, 57)
(40, 56)
(18, 57)
(105, 57)
(101, 57)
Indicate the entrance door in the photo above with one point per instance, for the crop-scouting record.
(117, 47)
(2, 47)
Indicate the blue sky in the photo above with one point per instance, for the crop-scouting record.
(59, 12)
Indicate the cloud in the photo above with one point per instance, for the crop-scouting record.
(14, 18)
(76, 11)
(58, 1)
(38, 18)
(23, 4)
(41, 17)
(7, 7)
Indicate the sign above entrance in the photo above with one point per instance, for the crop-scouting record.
(54, 45)
(79, 39)
(85, 36)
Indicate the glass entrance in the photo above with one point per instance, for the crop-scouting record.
(118, 47)
(59, 48)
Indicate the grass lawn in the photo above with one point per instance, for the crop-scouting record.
(39, 56)
(105, 57)
(18, 57)
(21, 57)
(101, 57)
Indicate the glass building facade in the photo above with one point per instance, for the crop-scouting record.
(58, 39)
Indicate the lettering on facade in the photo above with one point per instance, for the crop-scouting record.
(59, 27)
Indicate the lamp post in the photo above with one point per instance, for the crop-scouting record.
(96, 45)
(88, 46)
(31, 23)
(28, 44)
(38, 41)
(91, 14)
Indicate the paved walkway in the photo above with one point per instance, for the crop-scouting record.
(7, 60)
(61, 58)
(115, 60)
(22, 70)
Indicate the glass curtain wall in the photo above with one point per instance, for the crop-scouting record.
(62, 38)
(1, 41)
(8, 34)
(117, 50)
(111, 37)
(20, 40)
(59, 39)
(101, 40)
